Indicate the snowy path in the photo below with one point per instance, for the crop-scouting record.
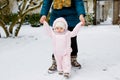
(28, 56)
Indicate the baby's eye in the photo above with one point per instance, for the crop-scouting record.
(56, 28)
(61, 28)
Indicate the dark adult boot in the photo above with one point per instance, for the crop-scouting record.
(53, 67)
(74, 62)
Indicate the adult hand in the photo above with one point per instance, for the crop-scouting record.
(82, 19)
(42, 19)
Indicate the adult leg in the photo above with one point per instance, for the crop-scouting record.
(53, 67)
(74, 50)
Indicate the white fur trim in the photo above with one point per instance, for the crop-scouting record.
(60, 24)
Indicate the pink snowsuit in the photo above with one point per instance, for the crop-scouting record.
(62, 44)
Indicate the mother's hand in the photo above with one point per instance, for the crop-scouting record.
(42, 19)
(82, 19)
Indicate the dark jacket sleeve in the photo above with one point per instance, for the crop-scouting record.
(45, 7)
(79, 5)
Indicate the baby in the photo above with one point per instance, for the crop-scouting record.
(61, 38)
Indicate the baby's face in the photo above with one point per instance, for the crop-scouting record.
(59, 29)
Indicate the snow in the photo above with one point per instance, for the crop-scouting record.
(28, 56)
(108, 21)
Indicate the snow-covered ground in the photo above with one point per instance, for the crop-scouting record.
(108, 21)
(28, 56)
